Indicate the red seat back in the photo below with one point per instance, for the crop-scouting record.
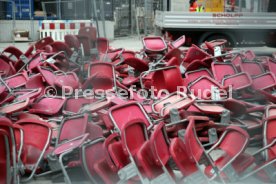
(146, 159)
(195, 53)
(121, 114)
(167, 79)
(221, 70)
(61, 46)
(160, 144)
(252, 68)
(72, 127)
(195, 74)
(202, 87)
(269, 136)
(92, 153)
(264, 81)
(234, 136)
(102, 75)
(181, 158)
(102, 45)
(39, 45)
(272, 66)
(48, 105)
(72, 41)
(238, 81)
(194, 148)
(134, 134)
(37, 135)
(5, 160)
(154, 44)
(73, 104)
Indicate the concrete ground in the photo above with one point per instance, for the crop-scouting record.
(135, 44)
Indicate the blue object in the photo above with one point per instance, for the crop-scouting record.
(23, 9)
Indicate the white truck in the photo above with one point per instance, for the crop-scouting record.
(241, 22)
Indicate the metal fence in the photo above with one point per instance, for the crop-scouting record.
(130, 17)
(65, 10)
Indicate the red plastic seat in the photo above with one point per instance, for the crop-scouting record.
(72, 127)
(40, 44)
(12, 52)
(5, 157)
(195, 53)
(175, 100)
(72, 42)
(73, 104)
(222, 70)
(72, 136)
(272, 66)
(104, 171)
(5, 68)
(185, 164)
(17, 80)
(47, 105)
(37, 135)
(114, 153)
(102, 45)
(238, 81)
(15, 107)
(195, 74)
(67, 80)
(61, 47)
(167, 79)
(210, 45)
(48, 75)
(137, 64)
(121, 114)
(224, 164)
(5, 160)
(9, 128)
(87, 37)
(35, 81)
(154, 44)
(102, 76)
(252, 68)
(202, 87)
(179, 42)
(249, 55)
(264, 81)
(159, 142)
(115, 55)
(94, 163)
(133, 136)
(265, 170)
(174, 53)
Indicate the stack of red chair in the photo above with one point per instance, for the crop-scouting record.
(160, 115)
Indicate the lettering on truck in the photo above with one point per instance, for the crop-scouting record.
(218, 15)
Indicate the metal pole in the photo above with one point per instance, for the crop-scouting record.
(13, 19)
(96, 16)
(32, 20)
(75, 8)
(165, 5)
(44, 10)
(59, 9)
(145, 18)
(84, 9)
(103, 17)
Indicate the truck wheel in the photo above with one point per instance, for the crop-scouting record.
(230, 39)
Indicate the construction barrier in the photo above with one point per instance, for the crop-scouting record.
(57, 29)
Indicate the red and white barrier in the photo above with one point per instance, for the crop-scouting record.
(57, 29)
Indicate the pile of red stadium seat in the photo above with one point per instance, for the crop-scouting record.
(154, 116)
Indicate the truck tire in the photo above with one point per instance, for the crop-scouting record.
(231, 41)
